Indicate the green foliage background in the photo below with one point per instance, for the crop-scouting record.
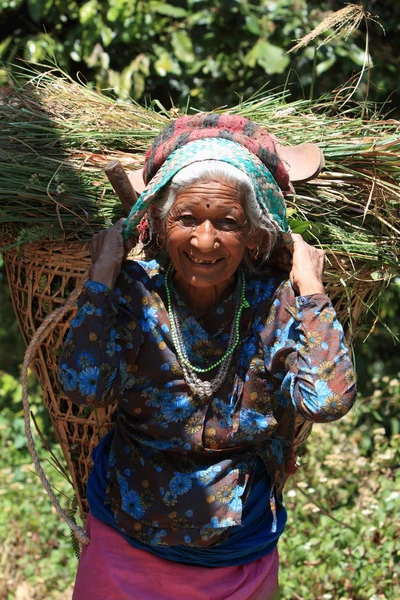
(213, 51)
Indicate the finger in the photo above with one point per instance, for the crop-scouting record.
(297, 240)
(92, 245)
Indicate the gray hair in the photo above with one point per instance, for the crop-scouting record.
(213, 169)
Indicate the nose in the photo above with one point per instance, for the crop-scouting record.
(205, 237)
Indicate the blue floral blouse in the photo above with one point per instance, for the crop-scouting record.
(180, 467)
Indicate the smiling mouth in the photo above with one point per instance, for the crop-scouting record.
(199, 261)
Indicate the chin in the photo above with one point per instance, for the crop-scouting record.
(208, 276)
(205, 275)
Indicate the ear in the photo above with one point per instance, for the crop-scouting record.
(156, 223)
(303, 162)
(136, 179)
(254, 241)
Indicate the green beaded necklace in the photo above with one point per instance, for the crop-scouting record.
(243, 303)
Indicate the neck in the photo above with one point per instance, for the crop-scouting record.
(202, 299)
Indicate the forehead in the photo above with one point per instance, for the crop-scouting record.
(211, 193)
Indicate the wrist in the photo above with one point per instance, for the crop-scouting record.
(311, 287)
(104, 273)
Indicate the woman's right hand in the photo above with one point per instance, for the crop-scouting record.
(107, 251)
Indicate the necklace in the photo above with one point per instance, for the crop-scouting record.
(199, 387)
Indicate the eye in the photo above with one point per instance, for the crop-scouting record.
(187, 220)
(229, 224)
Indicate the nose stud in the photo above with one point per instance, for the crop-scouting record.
(216, 245)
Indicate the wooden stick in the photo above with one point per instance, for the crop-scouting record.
(121, 184)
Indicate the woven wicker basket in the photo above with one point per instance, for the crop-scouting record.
(40, 279)
(42, 276)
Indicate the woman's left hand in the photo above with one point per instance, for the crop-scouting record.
(305, 265)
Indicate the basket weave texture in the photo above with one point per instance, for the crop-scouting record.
(41, 277)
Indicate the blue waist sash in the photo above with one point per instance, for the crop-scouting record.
(246, 543)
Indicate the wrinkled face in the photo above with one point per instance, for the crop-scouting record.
(207, 233)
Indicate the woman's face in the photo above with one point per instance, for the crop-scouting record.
(207, 234)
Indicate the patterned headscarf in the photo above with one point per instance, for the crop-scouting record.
(226, 138)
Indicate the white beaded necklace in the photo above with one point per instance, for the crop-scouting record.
(199, 387)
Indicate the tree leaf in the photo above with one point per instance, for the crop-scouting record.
(182, 45)
(38, 48)
(113, 14)
(88, 11)
(168, 10)
(166, 63)
(298, 226)
(271, 58)
(3, 48)
(132, 80)
(253, 24)
(107, 35)
(356, 54)
(325, 65)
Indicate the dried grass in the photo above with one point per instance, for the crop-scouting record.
(344, 21)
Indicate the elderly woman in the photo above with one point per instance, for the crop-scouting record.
(213, 356)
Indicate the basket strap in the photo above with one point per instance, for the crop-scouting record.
(45, 328)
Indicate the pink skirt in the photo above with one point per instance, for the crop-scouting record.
(111, 569)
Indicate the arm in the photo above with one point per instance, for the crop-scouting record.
(87, 367)
(104, 333)
(311, 357)
(309, 353)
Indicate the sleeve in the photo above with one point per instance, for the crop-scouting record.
(103, 338)
(307, 351)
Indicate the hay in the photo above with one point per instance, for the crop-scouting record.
(56, 137)
(345, 21)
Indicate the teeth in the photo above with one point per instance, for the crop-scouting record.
(203, 262)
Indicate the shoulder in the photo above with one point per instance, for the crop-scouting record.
(142, 274)
(268, 285)
(136, 281)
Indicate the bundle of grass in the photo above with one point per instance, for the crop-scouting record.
(56, 136)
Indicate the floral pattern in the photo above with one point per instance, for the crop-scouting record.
(180, 466)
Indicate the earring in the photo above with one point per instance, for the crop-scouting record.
(257, 253)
